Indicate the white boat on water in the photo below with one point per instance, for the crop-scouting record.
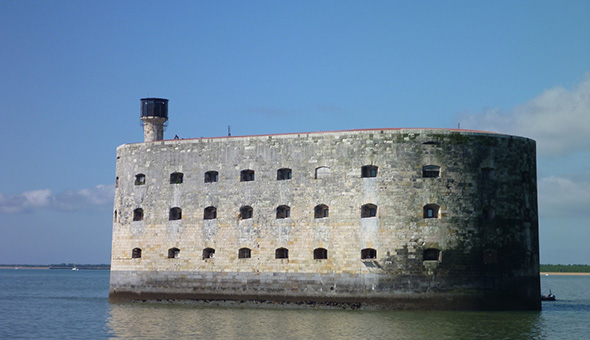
(75, 268)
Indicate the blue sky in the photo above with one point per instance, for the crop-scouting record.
(72, 74)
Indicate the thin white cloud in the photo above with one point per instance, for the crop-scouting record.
(558, 119)
(564, 196)
(98, 197)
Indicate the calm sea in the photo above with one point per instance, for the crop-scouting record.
(65, 304)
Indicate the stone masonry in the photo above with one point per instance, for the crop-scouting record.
(384, 218)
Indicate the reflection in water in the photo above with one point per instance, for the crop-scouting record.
(161, 321)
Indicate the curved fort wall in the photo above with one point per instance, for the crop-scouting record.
(395, 218)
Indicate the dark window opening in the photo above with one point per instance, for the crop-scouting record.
(116, 182)
(431, 211)
(430, 254)
(368, 210)
(115, 216)
(369, 171)
(320, 254)
(282, 253)
(176, 177)
(283, 211)
(211, 176)
(321, 211)
(431, 171)
(246, 212)
(175, 214)
(139, 179)
(322, 172)
(173, 253)
(489, 213)
(208, 253)
(138, 214)
(136, 253)
(210, 213)
(488, 173)
(244, 253)
(431, 143)
(246, 175)
(368, 254)
(283, 174)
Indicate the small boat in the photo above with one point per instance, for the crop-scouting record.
(75, 269)
(548, 297)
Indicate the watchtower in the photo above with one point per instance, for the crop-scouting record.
(154, 114)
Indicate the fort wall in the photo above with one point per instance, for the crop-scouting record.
(395, 218)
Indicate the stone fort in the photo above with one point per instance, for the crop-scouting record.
(386, 218)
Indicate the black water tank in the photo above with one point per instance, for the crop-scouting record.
(154, 107)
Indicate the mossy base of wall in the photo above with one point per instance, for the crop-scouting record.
(289, 290)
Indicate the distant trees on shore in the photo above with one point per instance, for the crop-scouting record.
(565, 268)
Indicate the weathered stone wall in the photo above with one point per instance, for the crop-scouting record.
(486, 232)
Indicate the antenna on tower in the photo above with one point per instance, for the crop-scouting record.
(229, 131)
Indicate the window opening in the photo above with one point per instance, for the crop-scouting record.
(244, 253)
(283, 211)
(320, 254)
(246, 175)
(210, 213)
(283, 174)
(431, 211)
(322, 172)
(175, 214)
(321, 211)
(176, 177)
(431, 171)
(368, 254)
(138, 214)
(368, 210)
(136, 253)
(369, 171)
(282, 253)
(116, 182)
(489, 213)
(211, 176)
(115, 217)
(246, 212)
(208, 253)
(488, 173)
(173, 253)
(139, 179)
(430, 254)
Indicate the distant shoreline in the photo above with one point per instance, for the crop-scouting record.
(85, 267)
(563, 274)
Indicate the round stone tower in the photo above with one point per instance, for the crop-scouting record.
(154, 114)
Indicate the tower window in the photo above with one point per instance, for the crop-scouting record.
(117, 182)
(175, 214)
(246, 212)
(138, 214)
(283, 174)
(246, 175)
(139, 179)
(368, 254)
(431, 171)
(208, 253)
(431, 254)
(136, 253)
(211, 176)
(368, 210)
(320, 211)
(431, 211)
(282, 253)
(369, 171)
(173, 253)
(244, 253)
(210, 213)
(176, 178)
(320, 254)
(322, 172)
(283, 211)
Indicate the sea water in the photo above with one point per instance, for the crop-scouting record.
(65, 304)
